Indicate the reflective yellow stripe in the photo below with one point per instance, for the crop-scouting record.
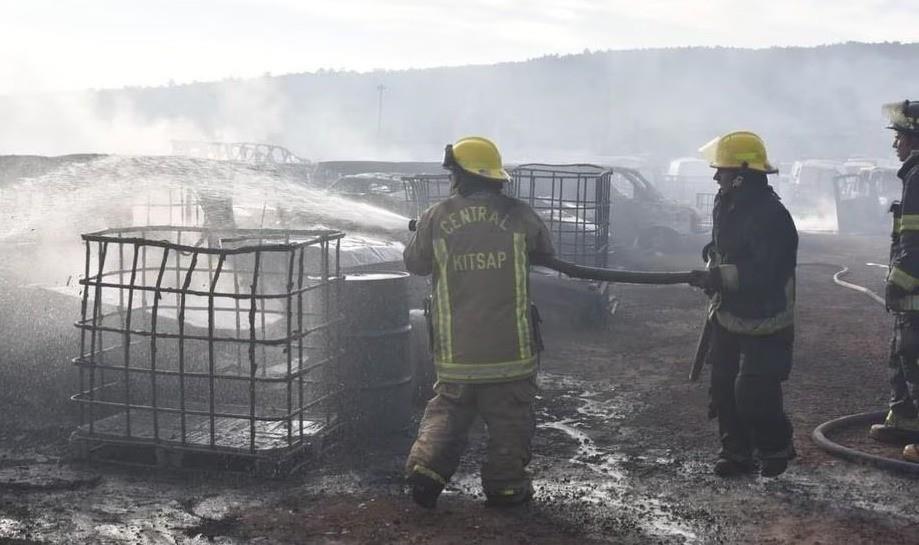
(761, 326)
(730, 277)
(420, 469)
(903, 279)
(485, 372)
(443, 313)
(896, 225)
(908, 222)
(746, 156)
(522, 300)
(906, 303)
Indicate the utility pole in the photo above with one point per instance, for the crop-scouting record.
(380, 89)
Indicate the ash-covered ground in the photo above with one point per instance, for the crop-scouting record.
(622, 452)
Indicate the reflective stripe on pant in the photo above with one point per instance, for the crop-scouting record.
(746, 393)
(508, 411)
(904, 372)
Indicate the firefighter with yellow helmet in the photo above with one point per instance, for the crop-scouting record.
(751, 281)
(477, 244)
(902, 422)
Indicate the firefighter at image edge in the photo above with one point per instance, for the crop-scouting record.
(478, 244)
(902, 292)
(751, 281)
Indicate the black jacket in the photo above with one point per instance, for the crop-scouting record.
(903, 278)
(755, 247)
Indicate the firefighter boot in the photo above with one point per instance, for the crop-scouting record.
(896, 429)
(510, 496)
(725, 467)
(775, 465)
(425, 490)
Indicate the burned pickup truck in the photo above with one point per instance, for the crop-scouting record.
(863, 200)
(642, 217)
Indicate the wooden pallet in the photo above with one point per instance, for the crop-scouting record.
(272, 456)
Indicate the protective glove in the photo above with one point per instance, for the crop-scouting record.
(708, 252)
(708, 280)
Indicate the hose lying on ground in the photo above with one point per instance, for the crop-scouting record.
(863, 420)
(845, 270)
(837, 278)
(611, 275)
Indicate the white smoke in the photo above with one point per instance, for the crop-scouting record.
(136, 122)
(57, 124)
(251, 111)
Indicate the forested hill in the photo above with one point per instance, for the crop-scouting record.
(822, 101)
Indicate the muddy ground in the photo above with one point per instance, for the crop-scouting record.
(622, 452)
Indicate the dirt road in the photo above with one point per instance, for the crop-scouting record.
(622, 454)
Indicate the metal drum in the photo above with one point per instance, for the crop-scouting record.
(379, 367)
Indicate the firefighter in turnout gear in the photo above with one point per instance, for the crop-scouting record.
(902, 293)
(477, 244)
(751, 281)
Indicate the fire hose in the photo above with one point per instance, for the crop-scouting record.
(612, 275)
(600, 274)
(864, 420)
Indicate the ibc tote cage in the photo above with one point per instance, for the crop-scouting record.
(574, 202)
(224, 344)
(425, 190)
(705, 204)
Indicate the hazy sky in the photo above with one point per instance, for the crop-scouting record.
(52, 45)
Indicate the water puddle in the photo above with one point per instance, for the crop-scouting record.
(588, 454)
(594, 478)
(599, 406)
(10, 528)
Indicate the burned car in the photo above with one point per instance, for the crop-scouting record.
(594, 209)
(642, 217)
(863, 200)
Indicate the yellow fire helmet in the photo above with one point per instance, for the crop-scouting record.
(903, 116)
(738, 149)
(476, 155)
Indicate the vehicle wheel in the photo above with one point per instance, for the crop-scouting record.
(659, 239)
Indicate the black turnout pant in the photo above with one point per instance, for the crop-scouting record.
(746, 393)
(904, 370)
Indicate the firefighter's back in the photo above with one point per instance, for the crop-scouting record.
(481, 294)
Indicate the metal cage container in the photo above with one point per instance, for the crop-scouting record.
(219, 349)
(574, 202)
(425, 190)
(705, 205)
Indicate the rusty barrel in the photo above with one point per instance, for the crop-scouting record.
(376, 340)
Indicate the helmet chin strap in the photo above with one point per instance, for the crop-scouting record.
(738, 180)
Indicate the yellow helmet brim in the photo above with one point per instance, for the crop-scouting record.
(739, 149)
